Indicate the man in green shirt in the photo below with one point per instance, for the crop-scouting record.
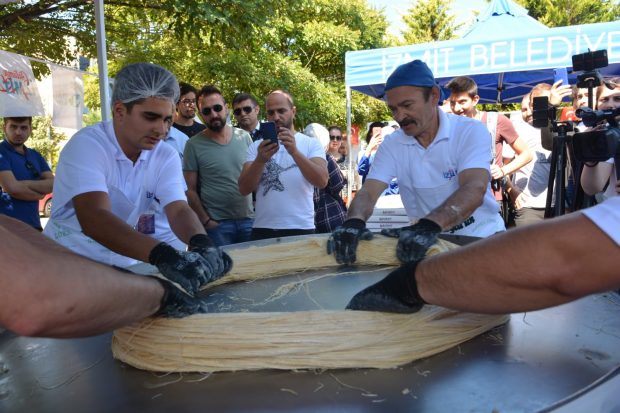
(212, 162)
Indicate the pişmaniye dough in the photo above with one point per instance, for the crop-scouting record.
(318, 339)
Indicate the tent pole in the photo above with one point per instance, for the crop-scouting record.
(350, 174)
(102, 61)
(500, 87)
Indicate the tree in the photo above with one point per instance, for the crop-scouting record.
(247, 46)
(429, 20)
(557, 13)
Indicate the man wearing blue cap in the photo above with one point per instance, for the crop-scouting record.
(441, 162)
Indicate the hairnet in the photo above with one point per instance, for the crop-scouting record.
(144, 80)
(316, 130)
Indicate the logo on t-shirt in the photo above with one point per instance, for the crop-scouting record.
(271, 176)
(449, 174)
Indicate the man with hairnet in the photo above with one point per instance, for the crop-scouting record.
(119, 195)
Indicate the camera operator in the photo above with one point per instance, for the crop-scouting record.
(596, 175)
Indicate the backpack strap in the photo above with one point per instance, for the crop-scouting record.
(492, 128)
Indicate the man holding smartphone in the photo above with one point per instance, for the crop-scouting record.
(283, 174)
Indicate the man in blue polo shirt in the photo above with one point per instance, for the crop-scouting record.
(25, 177)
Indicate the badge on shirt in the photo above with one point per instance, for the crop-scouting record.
(146, 224)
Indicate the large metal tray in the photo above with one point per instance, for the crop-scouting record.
(531, 363)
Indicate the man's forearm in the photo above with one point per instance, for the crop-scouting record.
(250, 177)
(194, 201)
(42, 186)
(61, 294)
(459, 206)
(21, 191)
(183, 221)
(362, 206)
(115, 234)
(517, 163)
(548, 264)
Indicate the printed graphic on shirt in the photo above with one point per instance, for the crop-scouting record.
(271, 176)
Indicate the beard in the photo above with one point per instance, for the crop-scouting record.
(216, 125)
(286, 124)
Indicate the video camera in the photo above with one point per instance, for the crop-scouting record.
(591, 146)
(596, 145)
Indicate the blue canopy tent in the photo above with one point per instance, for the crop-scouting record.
(506, 52)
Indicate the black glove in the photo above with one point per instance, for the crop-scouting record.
(414, 240)
(188, 269)
(396, 293)
(175, 303)
(344, 239)
(220, 262)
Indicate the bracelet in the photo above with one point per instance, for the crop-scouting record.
(207, 222)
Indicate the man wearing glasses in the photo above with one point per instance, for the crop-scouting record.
(25, 177)
(245, 110)
(186, 111)
(212, 162)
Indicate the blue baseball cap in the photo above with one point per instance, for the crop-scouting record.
(414, 73)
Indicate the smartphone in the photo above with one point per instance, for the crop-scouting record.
(269, 131)
(560, 74)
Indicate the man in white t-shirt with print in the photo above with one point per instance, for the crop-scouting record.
(117, 185)
(441, 162)
(283, 174)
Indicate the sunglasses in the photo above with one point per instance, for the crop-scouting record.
(32, 170)
(215, 108)
(246, 109)
(335, 138)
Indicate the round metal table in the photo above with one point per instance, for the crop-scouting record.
(529, 364)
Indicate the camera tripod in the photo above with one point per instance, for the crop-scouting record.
(562, 155)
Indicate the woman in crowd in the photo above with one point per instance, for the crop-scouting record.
(329, 208)
(374, 137)
(596, 175)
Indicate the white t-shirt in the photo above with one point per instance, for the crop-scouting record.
(284, 196)
(92, 161)
(611, 187)
(177, 140)
(533, 178)
(428, 176)
(606, 216)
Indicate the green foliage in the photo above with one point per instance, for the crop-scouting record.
(557, 13)
(91, 117)
(45, 139)
(238, 45)
(429, 20)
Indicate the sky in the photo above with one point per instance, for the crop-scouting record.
(396, 8)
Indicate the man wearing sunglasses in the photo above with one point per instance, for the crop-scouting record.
(245, 110)
(184, 118)
(25, 177)
(283, 174)
(212, 162)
